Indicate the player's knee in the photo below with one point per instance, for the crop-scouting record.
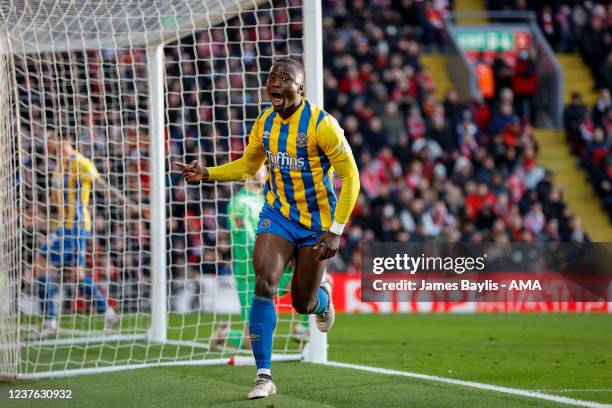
(264, 281)
(264, 286)
(304, 305)
(261, 265)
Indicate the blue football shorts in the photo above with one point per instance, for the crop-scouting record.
(65, 247)
(271, 220)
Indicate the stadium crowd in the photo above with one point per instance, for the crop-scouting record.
(443, 170)
(430, 170)
(589, 129)
(573, 25)
(589, 132)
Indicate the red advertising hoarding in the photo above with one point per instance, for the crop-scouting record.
(347, 299)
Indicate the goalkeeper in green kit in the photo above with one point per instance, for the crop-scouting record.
(243, 218)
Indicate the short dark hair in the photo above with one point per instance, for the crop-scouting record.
(294, 63)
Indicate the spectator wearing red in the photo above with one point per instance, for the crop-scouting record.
(481, 111)
(517, 187)
(434, 14)
(476, 198)
(352, 83)
(416, 124)
(525, 86)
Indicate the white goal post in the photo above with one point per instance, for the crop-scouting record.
(132, 87)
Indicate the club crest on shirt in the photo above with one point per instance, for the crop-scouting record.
(301, 140)
(266, 223)
(266, 134)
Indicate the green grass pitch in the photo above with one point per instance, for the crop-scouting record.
(565, 355)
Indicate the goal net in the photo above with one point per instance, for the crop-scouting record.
(108, 259)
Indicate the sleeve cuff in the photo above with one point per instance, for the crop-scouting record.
(337, 228)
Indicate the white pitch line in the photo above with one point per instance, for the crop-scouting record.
(472, 384)
(577, 390)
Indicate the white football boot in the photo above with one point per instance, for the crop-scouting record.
(263, 387)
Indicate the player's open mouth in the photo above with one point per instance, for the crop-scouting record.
(277, 99)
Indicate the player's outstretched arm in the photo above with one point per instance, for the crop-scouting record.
(88, 173)
(237, 170)
(333, 143)
(116, 195)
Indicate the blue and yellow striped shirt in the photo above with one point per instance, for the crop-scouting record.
(73, 179)
(302, 152)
